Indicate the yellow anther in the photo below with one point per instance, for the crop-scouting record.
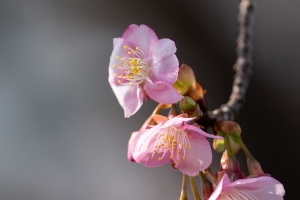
(114, 66)
(117, 57)
(119, 81)
(125, 47)
(129, 52)
(116, 74)
(131, 83)
(171, 157)
(133, 68)
(152, 156)
(133, 61)
(159, 159)
(183, 157)
(136, 48)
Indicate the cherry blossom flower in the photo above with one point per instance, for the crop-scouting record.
(264, 187)
(142, 66)
(175, 140)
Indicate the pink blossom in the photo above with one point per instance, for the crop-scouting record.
(175, 140)
(135, 136)
(142, 66)
(261, 188)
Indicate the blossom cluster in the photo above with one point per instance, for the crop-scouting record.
(145, 67)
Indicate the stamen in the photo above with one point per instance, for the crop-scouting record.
(172, 141)
(133, 69)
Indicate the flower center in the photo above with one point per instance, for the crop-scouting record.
(172, 141)
(237, 194)
(134, 68)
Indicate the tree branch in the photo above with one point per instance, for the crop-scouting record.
(243, 65)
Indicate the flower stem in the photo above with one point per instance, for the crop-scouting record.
(245, 149)
(183, 195)
(211, 176)
(194, 189)
(228, 146)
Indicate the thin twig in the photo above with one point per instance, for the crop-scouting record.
(243, 65)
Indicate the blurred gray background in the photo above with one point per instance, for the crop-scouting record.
(62, 132)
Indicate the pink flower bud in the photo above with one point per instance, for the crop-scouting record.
(254, 167)
(231, 166)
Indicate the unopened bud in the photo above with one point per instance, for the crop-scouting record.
(228, 129)
(206, 186)
(231, 127)
(233, 130)
(218, 144)
(190, 107)
(231, 166)
(185, 79)
(254, 167)
(187, 104)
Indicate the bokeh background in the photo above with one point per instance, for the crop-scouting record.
(62, 132)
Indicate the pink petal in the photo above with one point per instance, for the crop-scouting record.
(155, 161)
(176, 121)
(145, 145)
(165, 65)
(200, 131)
(129, 97)
(263, 194)
(118, 50)
(225, 180)
(197, 158)
(135, 136)
(140, 36)
(264, 187)
(162, 92)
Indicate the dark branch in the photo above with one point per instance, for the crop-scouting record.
(243, 63)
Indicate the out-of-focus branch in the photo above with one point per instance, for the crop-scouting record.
(243, 63)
